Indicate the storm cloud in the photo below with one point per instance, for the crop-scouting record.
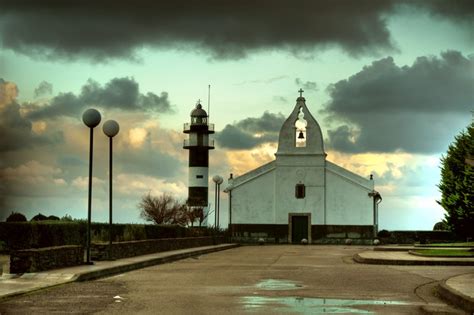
(16, 130)
(118, 93)
(251, 132)
(221, 29)
(414, 108)
(44, 88)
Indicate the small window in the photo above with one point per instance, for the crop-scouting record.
(300, 191)
(199, 176)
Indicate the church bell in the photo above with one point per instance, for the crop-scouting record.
(301, 135)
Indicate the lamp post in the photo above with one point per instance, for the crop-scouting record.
(218, 180)
(91, 119)
(111, 129)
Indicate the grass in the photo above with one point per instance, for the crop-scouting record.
(459, 244)
(445, 252)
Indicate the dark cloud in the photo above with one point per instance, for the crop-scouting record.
(411, 108)
(223, 29)
(44, 88)
(118, 93)
(146, 161)
(251, 132)
(17, 131)
(307, 86)
(457, 10)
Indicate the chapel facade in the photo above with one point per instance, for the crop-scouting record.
(301, 195)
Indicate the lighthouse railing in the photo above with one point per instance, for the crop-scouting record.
(187, 127)
(196, 143)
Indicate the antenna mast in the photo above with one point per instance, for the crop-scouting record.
(209, 102)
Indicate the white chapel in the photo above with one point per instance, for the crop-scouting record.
(301, 195)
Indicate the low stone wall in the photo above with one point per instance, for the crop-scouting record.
(320, 234)
(41, 259)
(100, 251)
(251, 233)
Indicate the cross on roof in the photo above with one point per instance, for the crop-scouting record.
(301, 92)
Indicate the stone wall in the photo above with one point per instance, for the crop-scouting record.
(320, 234)
(251, 233)
(342, 232)
(41, 259)
(99, 251)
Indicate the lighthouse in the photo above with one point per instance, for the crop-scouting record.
(198, 144)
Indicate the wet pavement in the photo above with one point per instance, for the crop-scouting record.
(281, 279)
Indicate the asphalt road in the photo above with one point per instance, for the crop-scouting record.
(251, 279)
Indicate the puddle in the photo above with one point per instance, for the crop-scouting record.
(310, 305)
(276, 285)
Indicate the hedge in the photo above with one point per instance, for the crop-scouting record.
(24, 235)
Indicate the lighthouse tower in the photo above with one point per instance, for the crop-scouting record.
(198, 145)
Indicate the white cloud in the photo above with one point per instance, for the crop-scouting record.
(82, 182)
(32, 172)
(137, 136)
(138, 185)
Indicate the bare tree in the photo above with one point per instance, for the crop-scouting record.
(164, 209)
(196, 213)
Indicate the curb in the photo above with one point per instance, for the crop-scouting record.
(414, 253)
(142, 264)
(455, 297)
(379, 261)
(96, 274)
(392, 249)
(23, 292)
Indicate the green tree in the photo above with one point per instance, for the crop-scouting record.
(16, 217)
(457, 184)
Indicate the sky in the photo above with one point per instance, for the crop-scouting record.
(390, 82)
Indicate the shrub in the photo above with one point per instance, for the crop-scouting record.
(16, 217)
(39, 217)
(134, 232)
(53, 218)
(37, 234)
(384, 233)
(440, 226)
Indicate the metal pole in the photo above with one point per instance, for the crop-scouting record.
(215, 207)
(230, 208)
(110, 197)
(89, 202)
(375, 218)
(218, 203)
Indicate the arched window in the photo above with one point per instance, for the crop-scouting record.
(300, 125)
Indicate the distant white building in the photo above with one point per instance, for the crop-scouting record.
(301, 194)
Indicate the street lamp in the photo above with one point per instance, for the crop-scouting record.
(111, 129)
(218, 180)
(91, 119)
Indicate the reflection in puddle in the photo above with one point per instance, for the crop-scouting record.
(309, 305)
(272, 284)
